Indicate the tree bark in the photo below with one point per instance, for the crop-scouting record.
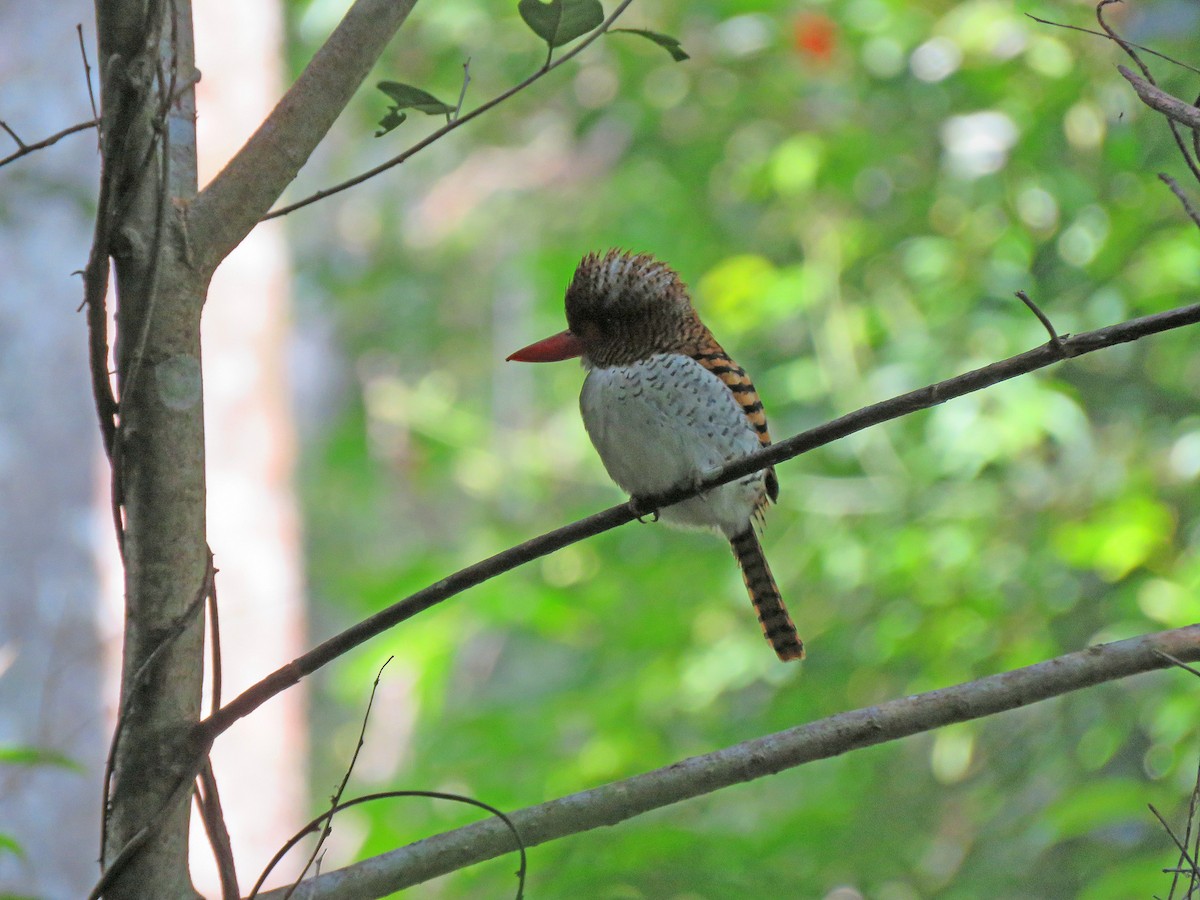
(165, 242)
(149, 175)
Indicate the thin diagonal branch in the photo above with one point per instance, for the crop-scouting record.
(335, 802)
(208, 800)
(314, 824)
(458, 121)
(1190, 210)
(24, 149)
(923, 398)
(87, 76)
(774, 753)
(1101, 34)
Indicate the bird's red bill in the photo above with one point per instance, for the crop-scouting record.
(564, 345)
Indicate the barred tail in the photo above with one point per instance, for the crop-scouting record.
(772, 614)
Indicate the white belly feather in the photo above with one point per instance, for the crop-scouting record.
(668, 421)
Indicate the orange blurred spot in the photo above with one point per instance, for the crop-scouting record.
(815, 35)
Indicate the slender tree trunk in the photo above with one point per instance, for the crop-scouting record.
(149, 173)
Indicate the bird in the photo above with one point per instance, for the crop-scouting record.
(665, 406)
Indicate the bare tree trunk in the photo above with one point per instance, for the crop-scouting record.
(149, 174)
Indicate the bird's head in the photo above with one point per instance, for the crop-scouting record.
(621, 308)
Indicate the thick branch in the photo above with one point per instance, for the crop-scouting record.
(244, 190)
(832, 736)
(1172, 107)
(1067, 346)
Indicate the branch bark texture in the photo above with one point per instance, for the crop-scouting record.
(620, 800)
(1157, 99)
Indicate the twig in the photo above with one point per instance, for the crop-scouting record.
(167, 94)
(1185, 856)
(462, 94)
(1091, 31)
(12, 134)
(208, 800)
(1176, 662)
(134, 845)
(387, 795)
(1193, 805)
(1181, 197)
(336, 799)
(87, 74)
(547, 67)
(750, 760)
(1132, 53)
(1192, 834)
(214, 631)
(26, 149)
(1055, 340)
(884, 411)
(207, 585)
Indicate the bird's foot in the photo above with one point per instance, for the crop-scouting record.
(640, 512)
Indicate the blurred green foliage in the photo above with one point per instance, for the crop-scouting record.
(853, 189)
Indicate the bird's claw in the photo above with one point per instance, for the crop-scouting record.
(635, 507)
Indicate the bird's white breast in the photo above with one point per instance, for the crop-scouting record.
(668, 421)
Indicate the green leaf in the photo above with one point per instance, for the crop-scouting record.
(561, 21)
(393, 118)
(405, 96)
(9, 844)
(668, 43)
(36, 756)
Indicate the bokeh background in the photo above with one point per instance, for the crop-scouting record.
(853, 190)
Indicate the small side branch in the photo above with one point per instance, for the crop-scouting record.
(24, 149)
(208, 801)
(87, 76)
(1055, 340)
(1183, 199)
(335, 802)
